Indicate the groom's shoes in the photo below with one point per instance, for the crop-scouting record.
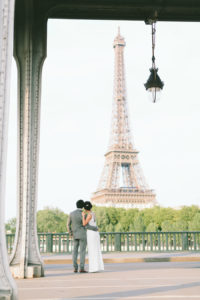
(83, 271)
(75, 270)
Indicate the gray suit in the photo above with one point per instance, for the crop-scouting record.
(76, 228)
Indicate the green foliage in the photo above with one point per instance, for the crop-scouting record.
(167, 225)
(180, 225)
(110, 228)
(102, 217)
(139, 223)
(113, 215)
(119, 228)
(124, 220)
(152, 227)
(111, 219)
(51, 220)
(10, 226)
(187, 213)
(149, 219)
(194, 224)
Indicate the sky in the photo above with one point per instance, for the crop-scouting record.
(76, 108)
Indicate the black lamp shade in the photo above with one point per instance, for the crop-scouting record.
(154, 80)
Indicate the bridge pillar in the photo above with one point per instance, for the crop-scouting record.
(8, 288)
(29, 52)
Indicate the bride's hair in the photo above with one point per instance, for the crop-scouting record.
(87, 205)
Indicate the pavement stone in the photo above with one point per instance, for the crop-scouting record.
(155, 281)
(129, 257)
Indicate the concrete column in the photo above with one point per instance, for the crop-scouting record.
(30, 52)
(8, 288)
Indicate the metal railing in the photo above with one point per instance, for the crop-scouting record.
(120, 241)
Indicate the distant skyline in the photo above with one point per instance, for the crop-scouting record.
(76, 107)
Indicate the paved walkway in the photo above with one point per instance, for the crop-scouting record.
(159, 281)
(130, 257)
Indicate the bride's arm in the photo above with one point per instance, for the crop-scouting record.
(87, 220)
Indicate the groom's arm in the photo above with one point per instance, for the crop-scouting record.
(69, 225)
(90, 227)
(86, 219)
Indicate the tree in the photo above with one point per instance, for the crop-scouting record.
(131, 227)
(118, 228)
(139, 224)
(152, 227)
(124, 221)
(113, 215)
(187, 213)
(180, 225)
(111, 219)
(102, 216)
(194, 224)
(110, 228)
(130, 215)
(161, 214)
(11, 226)
(51, 220)
(149, 216)
(167, 225)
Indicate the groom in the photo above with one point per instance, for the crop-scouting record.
(78, 231)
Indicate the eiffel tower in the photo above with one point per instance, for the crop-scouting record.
(122, 183)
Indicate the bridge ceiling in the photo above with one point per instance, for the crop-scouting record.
(167, 10)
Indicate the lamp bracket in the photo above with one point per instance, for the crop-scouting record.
(153, 19)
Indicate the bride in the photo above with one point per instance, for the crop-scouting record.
(93, 240)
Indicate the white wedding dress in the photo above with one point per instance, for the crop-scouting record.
(94, 248)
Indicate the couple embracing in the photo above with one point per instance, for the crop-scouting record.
(82, 226)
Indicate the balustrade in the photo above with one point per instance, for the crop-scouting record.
(120, 241)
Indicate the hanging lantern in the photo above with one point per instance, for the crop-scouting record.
(154, 85)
